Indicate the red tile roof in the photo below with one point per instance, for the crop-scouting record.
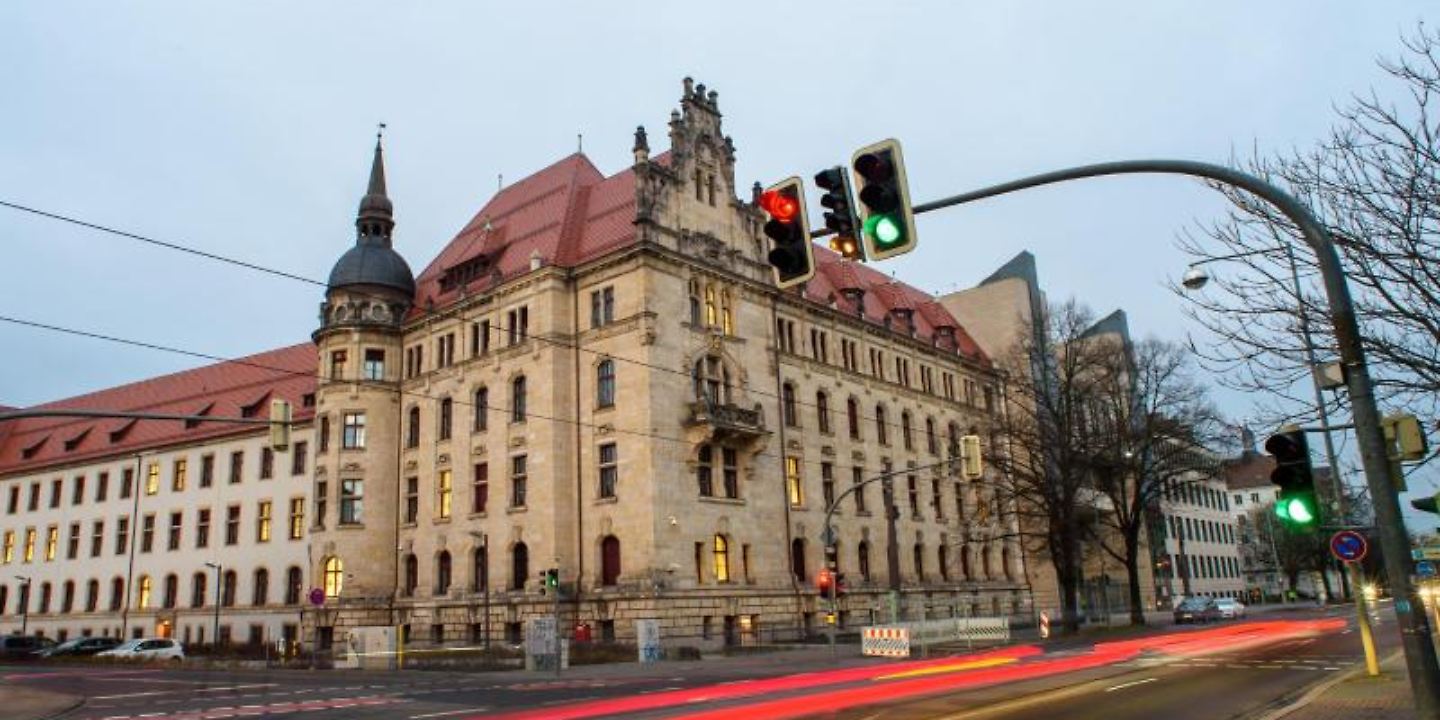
(221, 389)
(569, 213)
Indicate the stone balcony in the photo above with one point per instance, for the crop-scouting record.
(727, 420)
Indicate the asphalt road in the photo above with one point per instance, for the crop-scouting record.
(1226, 684)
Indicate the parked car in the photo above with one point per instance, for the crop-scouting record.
(79, 647)
(1230, 608)
(147, 649)
(22, 647)
(1197, 610)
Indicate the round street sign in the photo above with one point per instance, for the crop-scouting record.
(317, 597)
(1349, 546)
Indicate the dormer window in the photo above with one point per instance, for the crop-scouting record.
(33, 449)
(460, 275)
(253, 409)
(856, 296)
(74, 442)
(194, 423)
(120, 432)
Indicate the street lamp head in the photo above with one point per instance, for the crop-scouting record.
(1195, 278)
(212, 565)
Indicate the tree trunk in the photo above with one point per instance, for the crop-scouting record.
(1132, 574)
(1067, 575)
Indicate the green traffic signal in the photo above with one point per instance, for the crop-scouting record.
(1299, 510)
(885, 230)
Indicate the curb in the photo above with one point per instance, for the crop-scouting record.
(1316, 691)
(63, 712)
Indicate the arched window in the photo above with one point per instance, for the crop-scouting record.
(92, 596)
(727, 310)
(722, 559)
(519, 566)
(480, 569)
(797, 559)
(517, 399)
(609, 560)
(852, 414)
(787, 397)
(822, 411)
(334, 577)
(412, 428)
(605, 383)
(260, 594)
(482, 408)
(294, 585)
(169, 597)
(862, 559)
(227, 589)
(142, 592)
(447, 410)
(442, 573)
(944, 560)
(965, 569)
(67, 596)
(881, 431)
(412, 575)
(117, 593)
(919, 557)
(932, 443)
(197, 590)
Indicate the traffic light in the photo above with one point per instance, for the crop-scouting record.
(839, 585)
(788, 228)
(549, 579)
(1297, 506)
(825, 582)
(279, 425)
(841, 216)
(1430, 504)
(971, 466)
(887, 223)
(1404, 438)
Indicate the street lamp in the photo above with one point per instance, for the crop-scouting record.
(215, 639)
(484, 579)
(24, 602)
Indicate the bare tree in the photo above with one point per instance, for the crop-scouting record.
(1151, 430)
(1375, 183)
(1045, 468)
(1293, 551)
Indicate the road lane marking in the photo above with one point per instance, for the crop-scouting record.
(1122, 686)
(449, 712)
(951, 667)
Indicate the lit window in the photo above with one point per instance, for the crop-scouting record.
(334, 577)
(262, 521)
(445, 490)
(722, 559)
(152, 479)
(142, 596)
(792, 481)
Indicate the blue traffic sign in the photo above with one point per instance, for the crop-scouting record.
(1425, 568)
(1349, 546)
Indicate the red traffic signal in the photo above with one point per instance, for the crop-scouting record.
(825, 582)
(791, 256)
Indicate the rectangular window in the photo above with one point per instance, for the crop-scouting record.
(324, 433)
(267, 463)
(14, 500)
(519, 320)
(444, 492)
(262, 521)
(517, 481)
(56, 486)
(207, 470)
(935, 499)
(232, 525)
(177, 474)
(352, 502)
(147, 533)
(299, 456)
(172, 540)
(9, 555)
(412, 500)
(322, 502)
(731, 472)
(202, 528)
(52, 541)
(102, 486)
(297, 518)
(337, 365)
(857, 476)
(72, 545)
(602, 307)
(152, 478)
(704, 476)
(480, 488)
(29, 545)
(237, 466)
(484, 336)
(77, 491)
(374, 364)
(97, 538)
(827, 483)
(34, 503)
(793, 487)
(354, 431)
(609, 469)
(127, 482)
(122, 535)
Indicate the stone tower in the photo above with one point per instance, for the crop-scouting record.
(358, 403)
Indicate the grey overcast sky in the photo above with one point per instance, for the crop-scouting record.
(245, 129)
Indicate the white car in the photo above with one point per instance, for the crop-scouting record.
(1230, 608)
(147, 649)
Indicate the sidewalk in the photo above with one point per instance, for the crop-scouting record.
(1357, 695)
(22, 703)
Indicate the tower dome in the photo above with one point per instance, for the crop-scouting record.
(373, 261)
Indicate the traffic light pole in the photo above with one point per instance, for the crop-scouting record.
(1420, 658)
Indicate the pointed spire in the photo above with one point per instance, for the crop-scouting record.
(376, 217)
